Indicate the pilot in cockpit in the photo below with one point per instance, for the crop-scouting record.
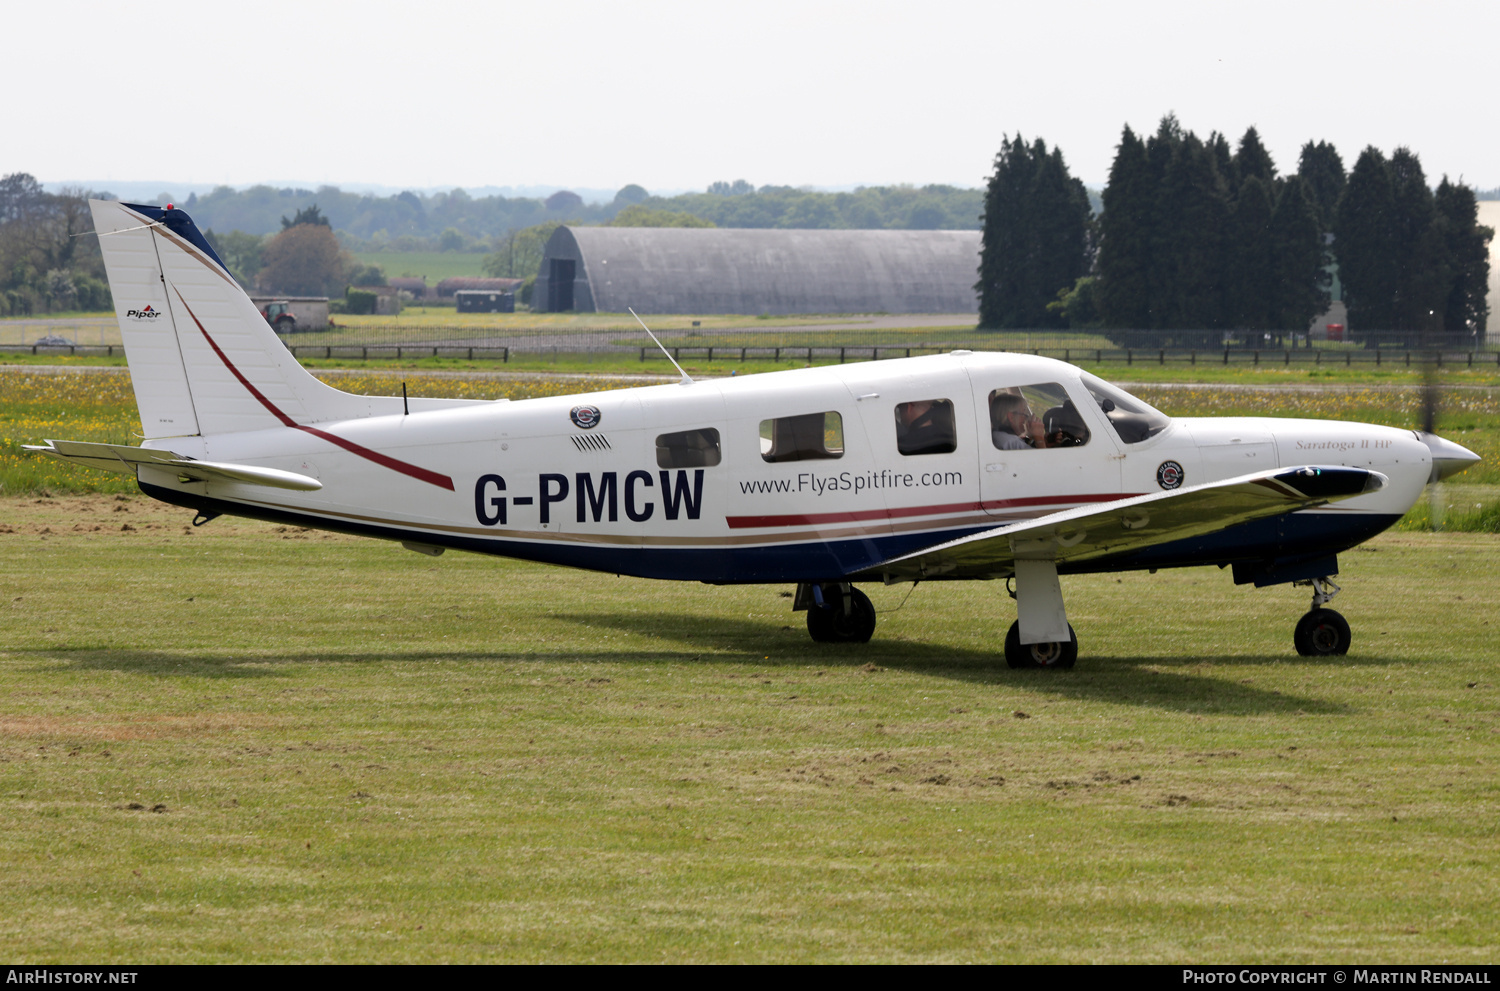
(1013, 427)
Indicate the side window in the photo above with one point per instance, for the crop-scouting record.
(1032, 416)
(810, 437)
(926, 427)
(688, 449)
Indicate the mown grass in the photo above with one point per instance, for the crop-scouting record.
(366, 755)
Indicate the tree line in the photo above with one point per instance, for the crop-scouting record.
(1197, 240)
(455, 220)
(44, 267)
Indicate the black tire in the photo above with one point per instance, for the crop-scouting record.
(286, 325)
(1040, 655)
(830, 625)
(1321, 633)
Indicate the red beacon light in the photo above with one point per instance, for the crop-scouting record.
(171, 207)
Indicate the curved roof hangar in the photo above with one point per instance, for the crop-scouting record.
(736, 270)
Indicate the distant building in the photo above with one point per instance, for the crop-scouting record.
(479, 301)
(730, 270)
(417, 287)
(387, 299)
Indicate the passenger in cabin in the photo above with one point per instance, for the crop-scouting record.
(1013, 427)
(925, 427)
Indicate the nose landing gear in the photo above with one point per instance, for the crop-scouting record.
(1321, 632)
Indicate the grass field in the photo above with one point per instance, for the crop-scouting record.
(252, 743)
(245, 742)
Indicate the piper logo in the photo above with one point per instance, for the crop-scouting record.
(148, 313)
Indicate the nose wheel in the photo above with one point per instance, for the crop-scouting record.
(1321, 632)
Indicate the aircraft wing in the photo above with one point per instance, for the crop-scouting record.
(1097, 531)
(126, 460)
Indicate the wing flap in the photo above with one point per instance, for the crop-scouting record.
(1131, 524)
(125, 459)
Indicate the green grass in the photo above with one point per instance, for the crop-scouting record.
(474, 760)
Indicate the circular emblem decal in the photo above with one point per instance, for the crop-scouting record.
(585, 417)
(1169, 475)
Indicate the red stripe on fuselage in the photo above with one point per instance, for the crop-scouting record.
(816, 519)
(385, 461)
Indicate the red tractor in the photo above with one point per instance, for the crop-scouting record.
(278, 314)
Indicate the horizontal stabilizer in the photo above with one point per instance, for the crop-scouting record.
(125, 459)
(1126, 525)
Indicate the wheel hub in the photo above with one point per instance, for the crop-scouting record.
(1325, 638)
(1046, 653)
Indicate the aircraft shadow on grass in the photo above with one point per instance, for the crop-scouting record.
(1128, 680)
(1154, 682)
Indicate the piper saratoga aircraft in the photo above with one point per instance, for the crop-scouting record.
(946, 467)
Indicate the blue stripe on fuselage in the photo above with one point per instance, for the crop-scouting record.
(1292, 535)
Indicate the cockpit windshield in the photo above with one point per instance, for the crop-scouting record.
(1132, 419)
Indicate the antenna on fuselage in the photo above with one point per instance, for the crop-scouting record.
(686, 378)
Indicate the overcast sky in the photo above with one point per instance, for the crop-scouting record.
(675, 95)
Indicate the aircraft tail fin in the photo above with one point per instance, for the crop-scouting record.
(202, 358)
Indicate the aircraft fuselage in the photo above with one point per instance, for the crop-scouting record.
(793, 476)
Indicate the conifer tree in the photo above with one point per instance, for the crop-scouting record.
(1321, 168)
(1365, 243)
(1300, 283)
(1251, 290)
(1125, 237)
(1466, 309)
(1162, 150)
(1252, 159)
(1224, 162)
(1035, 237)
(1197, 213)
(1422, 275)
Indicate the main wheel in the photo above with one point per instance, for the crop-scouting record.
(830, 625)
(1040, 655)
(1320, 633)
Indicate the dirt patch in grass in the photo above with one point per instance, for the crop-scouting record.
(118, 729)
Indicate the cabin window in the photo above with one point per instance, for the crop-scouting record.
(688, 449)
(1132, 419)
(925, 426)
(809, 437)
(1033, 416)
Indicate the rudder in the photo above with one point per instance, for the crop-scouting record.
(202, 358)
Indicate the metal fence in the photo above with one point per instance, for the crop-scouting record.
(812, 340)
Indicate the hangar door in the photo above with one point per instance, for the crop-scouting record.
(560, 285)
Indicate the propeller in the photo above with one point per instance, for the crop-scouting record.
(1437, 502)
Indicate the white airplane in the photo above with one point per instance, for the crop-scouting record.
(956, 466)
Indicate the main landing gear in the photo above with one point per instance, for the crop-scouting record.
(1321, 632)
(837, 612)
(1056, 654)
